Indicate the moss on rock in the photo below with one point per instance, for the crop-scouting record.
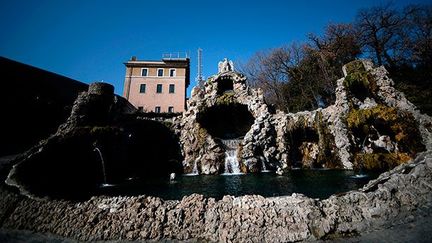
(101, 130)
(381, 161)
(358, 81)
(202, 136)
(400, 126)
(327, 155)
(358, 118)
(226, 99)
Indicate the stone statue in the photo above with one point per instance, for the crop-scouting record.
(225, 66)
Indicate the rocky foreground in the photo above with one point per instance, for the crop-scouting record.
(394, 197)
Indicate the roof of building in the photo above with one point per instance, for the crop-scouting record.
(172, 62)
(165, 61)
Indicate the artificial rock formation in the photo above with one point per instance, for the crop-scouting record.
(101, 142)
(379, 126)
(227, 128)
(343, 135)
(225, 103)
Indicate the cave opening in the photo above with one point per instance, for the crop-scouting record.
(226, 121)
(304, 147)
(225, 85)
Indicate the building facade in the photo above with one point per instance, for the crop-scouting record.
(157, 86)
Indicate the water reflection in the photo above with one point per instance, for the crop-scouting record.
(313, 183)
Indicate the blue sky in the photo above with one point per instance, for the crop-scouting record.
(90, 40)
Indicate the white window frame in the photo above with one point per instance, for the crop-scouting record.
(169, 88)
(142, 72)
(157, 73)
(158, 109)
(145, 88)
(172, 111)
(175, 72)
(161, 90)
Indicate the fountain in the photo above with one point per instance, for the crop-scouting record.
(199, 131)
(264, 167)
(194, 170)
(232, 165)
(105, 183)
(172, 177)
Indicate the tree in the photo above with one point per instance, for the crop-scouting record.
(383, 34)
(414, 77)
(339, 45)
(271, 71)
(303, 76)
(419, 28)
(326, 55)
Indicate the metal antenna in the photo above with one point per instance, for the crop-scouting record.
(199, 78)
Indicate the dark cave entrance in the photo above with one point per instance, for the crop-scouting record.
(226, 121)
(359, 91)
(224, 85)
(302, 141)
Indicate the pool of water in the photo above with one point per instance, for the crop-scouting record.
(313, 183)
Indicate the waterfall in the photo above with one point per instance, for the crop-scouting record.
(96, 149)
(232, 165)
(194, 170)
(264, 167)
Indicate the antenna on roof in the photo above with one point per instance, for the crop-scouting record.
(199, 78)
(175, 56)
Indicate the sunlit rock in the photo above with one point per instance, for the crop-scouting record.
(368, 116)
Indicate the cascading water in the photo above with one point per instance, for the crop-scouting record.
(105, 183)
(194, 170)
(232, 165)
(264, 167)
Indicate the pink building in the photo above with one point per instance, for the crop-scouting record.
(158, 86)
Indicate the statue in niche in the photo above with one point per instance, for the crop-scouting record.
(225, 66)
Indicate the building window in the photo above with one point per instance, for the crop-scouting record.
(172, 72)
(171, 88)
(142, 88)
(144, 72)
(170, 109)
(140, 108)
(160, 72)
(157, 109)
(159, 88)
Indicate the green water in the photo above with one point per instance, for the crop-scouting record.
(313, 183)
